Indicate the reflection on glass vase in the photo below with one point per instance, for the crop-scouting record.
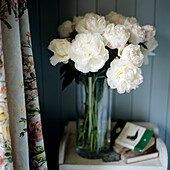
(93, 117)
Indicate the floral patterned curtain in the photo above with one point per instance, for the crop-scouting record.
(21, 140)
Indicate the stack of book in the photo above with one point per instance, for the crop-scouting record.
(133, 142)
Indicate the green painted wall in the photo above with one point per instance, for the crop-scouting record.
(151, 102)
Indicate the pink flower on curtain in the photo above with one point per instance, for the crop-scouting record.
(35, 130)
(2, 154)
(14, 5)
(28, 34)
(3, 90)
(34, 85)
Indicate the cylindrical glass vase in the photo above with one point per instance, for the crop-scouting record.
(93, 117)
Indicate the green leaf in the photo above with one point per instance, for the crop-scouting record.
(68, 78)
(22, 119)
(21, 134)
(73, 35)
(143, 45)
(112, 55)
(69, 73)
(25, 130)
(63, 68)
(6, 23)
(32, 75)
(38, 150)
(36, 109)
(9, 6)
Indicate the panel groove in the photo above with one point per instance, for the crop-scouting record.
(154, 17)
(105, 7)
(151, 84)
(58, 70)
(152, 65)
(77, 1)
(135, 7)
(115, 5)
(96, 6)
(67, 10)
(132, 111)
(168, 101)
(58, 12)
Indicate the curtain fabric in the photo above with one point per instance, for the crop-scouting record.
(24, 150)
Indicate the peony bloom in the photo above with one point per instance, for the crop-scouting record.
(88, 52)
(61, 48)
(65, 29)
(133, 54)
(91, 23)
(116, 36)
(149, 32)
(123, 75)
(151, 45)
(131, 21)
(137, 33)
(115, 18)
(77, 19)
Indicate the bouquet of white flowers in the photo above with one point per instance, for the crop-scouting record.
(111, 46)
(90, 41)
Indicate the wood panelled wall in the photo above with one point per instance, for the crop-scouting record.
(151, 102)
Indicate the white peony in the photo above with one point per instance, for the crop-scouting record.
(65, 29)
(115, 18)
(61, 48)
(137, 34)
(91, 23)
(133, 54)
(151, 45)
(115, 36)
(77, 19)
(123, 76)
(130, 21)
(149, 32)
(88, 52)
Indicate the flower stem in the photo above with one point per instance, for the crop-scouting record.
(91, 137)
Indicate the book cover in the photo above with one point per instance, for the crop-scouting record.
(133, 136)
(131, 156)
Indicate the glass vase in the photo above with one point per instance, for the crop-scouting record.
(93, 117)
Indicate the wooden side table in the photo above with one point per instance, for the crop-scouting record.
(70, 160)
